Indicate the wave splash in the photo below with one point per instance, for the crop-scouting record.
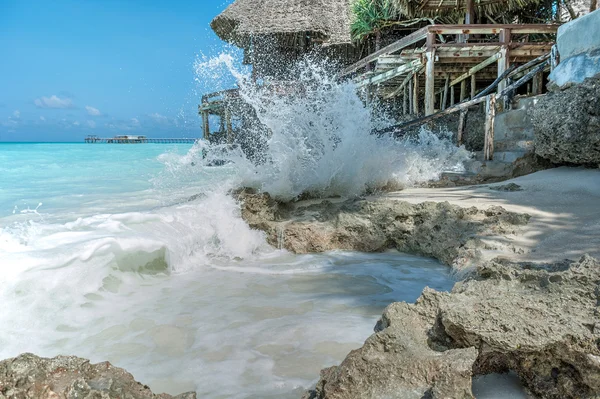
(315, 138)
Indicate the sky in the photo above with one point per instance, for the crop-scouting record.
(70, 68)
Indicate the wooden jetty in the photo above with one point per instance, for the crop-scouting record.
(137, 140)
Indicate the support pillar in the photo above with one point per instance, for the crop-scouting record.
(205, 125)
(430, 76)
(503, 61)
(490, 112)
(445, 96)
(473, 86)
(416, 94)
(411, 95)
(405, 101)
(463, 90)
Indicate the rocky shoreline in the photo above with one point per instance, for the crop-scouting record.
(539, 320)
(449, 233)
(31, 377)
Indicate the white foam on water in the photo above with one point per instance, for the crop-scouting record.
(318, 141)
(159, 274)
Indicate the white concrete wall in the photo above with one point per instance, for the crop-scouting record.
(579, 47)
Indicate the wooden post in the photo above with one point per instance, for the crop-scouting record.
(430, 76)
(503, 65)
(473, 86)
(416, 94)
(229, 126)
(538, 83)
(490, 112)
(445, 96)
(411, 96)
(205, 125)
(451, 95)
(461, 126)
(470, 13)
(405, 101)
(463, 90)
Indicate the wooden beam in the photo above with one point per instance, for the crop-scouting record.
(463, 91)
(205, 125)
(385, 76)
(492, 29)
(429, 83)
(470, 13)
(473, 86)
(403, 84)
(416, 94)
(405, 101)
(451, 95)
(538, 83)
(476, 69)
(504, 60)
(392, 48)
(503, 65)
(461, 126)
(445, 96)
(490, 112)
(466, 104)
(229, 126)
(411, 95)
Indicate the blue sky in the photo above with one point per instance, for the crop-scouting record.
(75, 67)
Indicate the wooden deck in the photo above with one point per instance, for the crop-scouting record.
(423, 68)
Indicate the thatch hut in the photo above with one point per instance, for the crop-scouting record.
(274, 33)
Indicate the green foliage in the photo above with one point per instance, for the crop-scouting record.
(371, 16)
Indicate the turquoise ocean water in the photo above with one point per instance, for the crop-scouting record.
(136, 254)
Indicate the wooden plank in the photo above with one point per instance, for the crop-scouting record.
(476, 69)
(385, 76)
(392, 48)
(490, 29)
(430, 83)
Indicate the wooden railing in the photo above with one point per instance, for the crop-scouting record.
(429, 33)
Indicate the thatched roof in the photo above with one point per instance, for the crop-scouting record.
(441, 8)
(328, 20)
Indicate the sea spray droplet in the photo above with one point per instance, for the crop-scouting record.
(317, 138)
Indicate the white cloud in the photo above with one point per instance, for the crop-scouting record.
(131, 124)
(53, 102)
(42, 119)
(92, 111)
(76, 123)
(91, 124)
(17, 114)
(158, 118)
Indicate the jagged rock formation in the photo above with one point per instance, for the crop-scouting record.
(67, 377)
(541, 322)
(567, 124)
(447, 232)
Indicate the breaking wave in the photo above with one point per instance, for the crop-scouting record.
(314, 137)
